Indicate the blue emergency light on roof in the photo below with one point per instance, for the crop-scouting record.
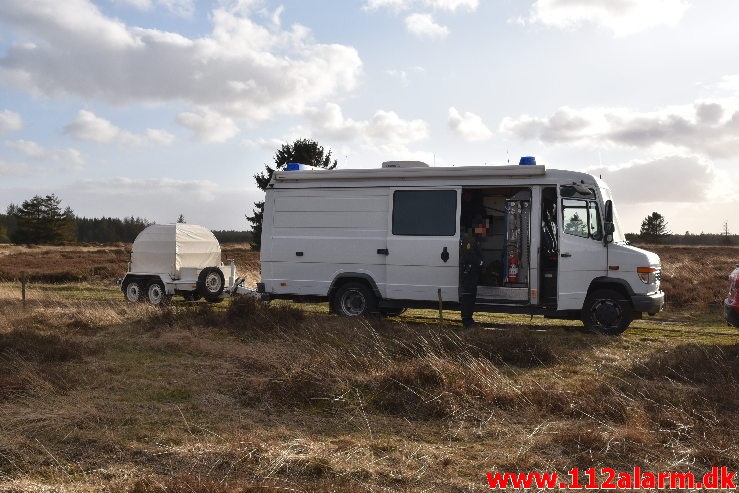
(294, 167)
(527, 161)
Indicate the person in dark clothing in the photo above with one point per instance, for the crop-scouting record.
(470, 266)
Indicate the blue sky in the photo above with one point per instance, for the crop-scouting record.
(155, 108)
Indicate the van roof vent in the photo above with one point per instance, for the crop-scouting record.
(404, 164)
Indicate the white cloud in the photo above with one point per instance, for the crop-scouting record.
(730, 83)
(10, 121)
(268, 145)
(90, 127)
(654, 180)
(208, 126)
(446, 5)
(16, 170)
(28, 148)
(404, 74)
(242, 69)
(72, 158)
(453, 5)
(385, 127)
(709, 128)
(622, 17)
(159, 136)
(179, 7)
(469, 126)
(423, 26)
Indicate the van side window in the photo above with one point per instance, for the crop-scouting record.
(581, 218)
(425, 212)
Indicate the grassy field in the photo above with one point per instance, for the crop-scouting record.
(100, 395)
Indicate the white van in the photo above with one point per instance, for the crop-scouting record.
(382, 240)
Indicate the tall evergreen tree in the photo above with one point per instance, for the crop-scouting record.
(41, 220)
(654, 227)
(303, 151)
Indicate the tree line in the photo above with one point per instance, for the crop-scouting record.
(654, 230)
(41, 220)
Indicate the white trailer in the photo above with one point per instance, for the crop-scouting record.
(178, 259)
(382, 240)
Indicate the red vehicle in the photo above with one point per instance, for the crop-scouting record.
(731, 303)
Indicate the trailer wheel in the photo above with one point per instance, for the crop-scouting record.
(607, 312)
(211, 283)
(133, 291)
(354, 299)
(156, 293)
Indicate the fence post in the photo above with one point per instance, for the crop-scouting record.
(24, 280)
(441, 306)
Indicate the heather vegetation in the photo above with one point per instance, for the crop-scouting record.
(97, 394)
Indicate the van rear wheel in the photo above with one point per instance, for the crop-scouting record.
(354, 299)
(607, 312)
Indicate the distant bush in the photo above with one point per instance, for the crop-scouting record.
(231, 236)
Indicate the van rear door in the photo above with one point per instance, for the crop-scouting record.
(423, 244)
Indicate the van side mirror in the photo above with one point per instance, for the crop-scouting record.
(608, 228)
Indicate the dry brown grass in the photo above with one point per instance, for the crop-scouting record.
(100, 395)
(94, 263)
(694, 275)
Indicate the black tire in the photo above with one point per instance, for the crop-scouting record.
(392, 312)
(156, 294)
(354, 299)
(607, 312)
(211, 283)
(133, 291)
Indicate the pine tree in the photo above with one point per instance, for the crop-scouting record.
(303, 151)
(41, 220)
(654, 228)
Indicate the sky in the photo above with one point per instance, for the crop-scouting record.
(156, 108)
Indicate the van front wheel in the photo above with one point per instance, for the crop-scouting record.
(354, 299)
(607, 312)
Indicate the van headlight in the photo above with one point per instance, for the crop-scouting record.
(648, 275)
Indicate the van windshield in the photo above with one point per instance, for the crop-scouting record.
(618, 236)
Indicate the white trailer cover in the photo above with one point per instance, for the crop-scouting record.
(166, 248)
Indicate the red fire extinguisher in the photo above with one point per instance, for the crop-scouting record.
(513, 268)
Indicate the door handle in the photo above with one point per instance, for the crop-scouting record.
(566, 255)
(383, 251)
(445, 254)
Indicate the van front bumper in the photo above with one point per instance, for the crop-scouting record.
(650, 303)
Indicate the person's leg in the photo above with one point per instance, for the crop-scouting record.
(467, 302)
(467, 308)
